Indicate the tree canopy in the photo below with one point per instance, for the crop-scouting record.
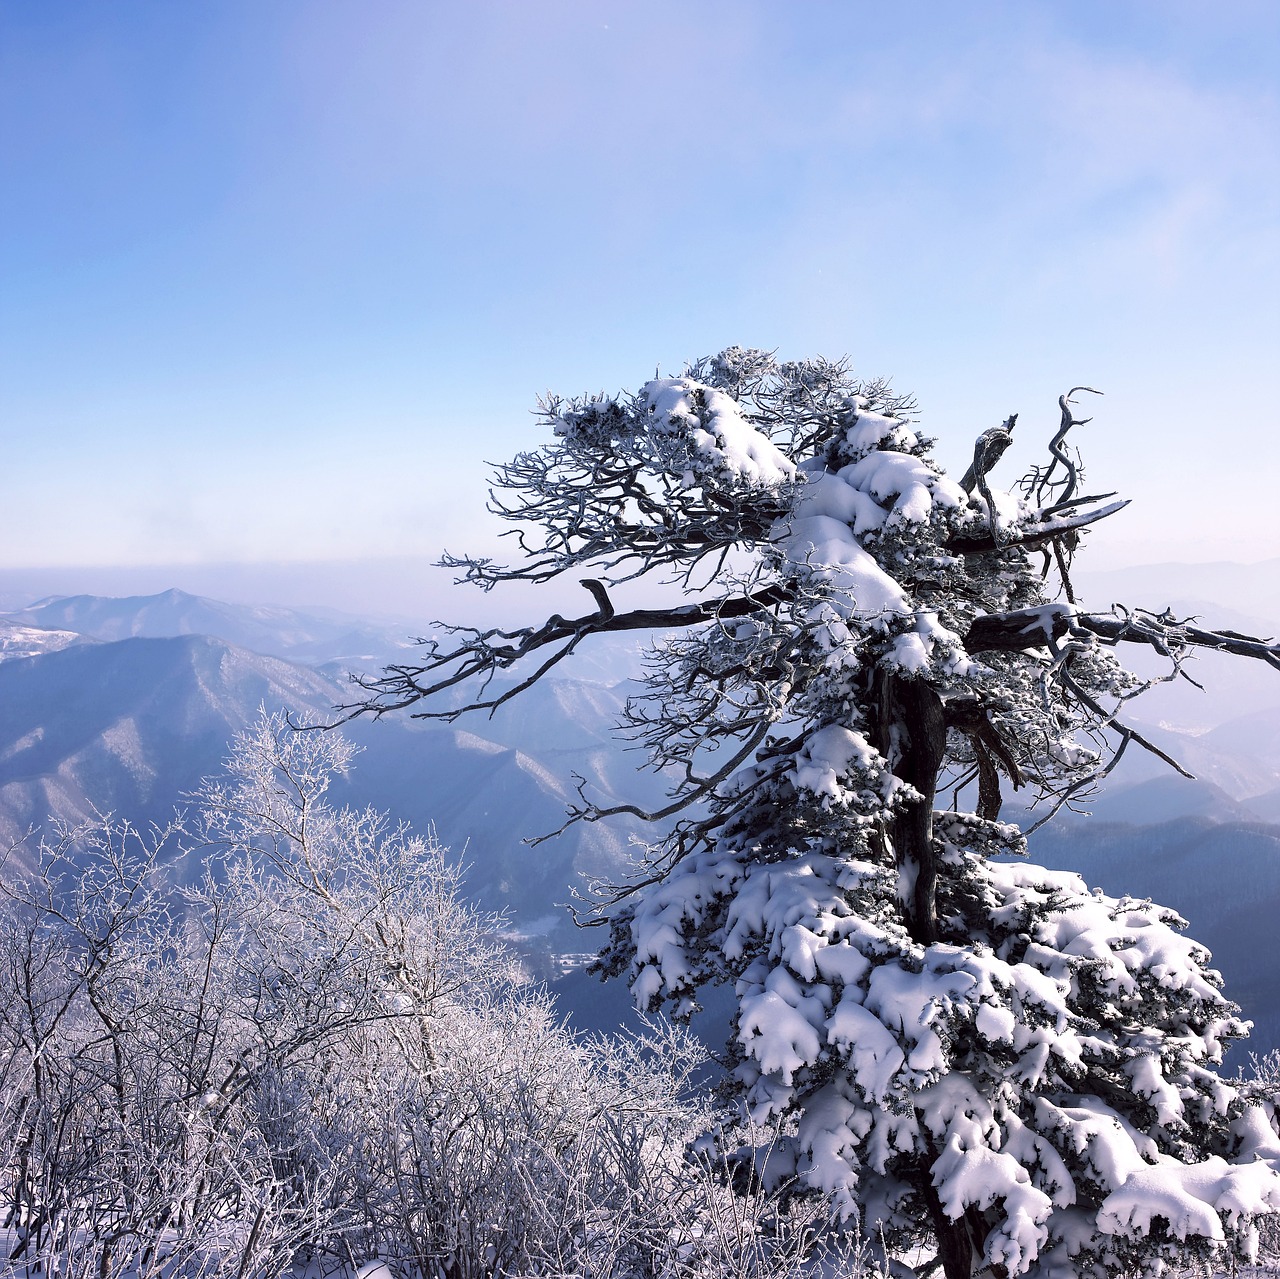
(859, 659)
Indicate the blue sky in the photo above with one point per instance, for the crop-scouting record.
(277, 279)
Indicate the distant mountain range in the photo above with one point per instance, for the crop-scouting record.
(124, 704)
(91, 722)
(311, 637)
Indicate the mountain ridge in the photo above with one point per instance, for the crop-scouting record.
(311, 637)
(130, 726)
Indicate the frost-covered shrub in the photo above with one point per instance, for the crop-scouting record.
(128, 1140)
(959, 1048)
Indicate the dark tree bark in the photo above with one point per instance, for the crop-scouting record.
(954, 1248)
(911, 733)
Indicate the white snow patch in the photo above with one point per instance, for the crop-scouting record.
(721, 439)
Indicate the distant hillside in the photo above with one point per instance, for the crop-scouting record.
(313, 637)
(131, 726)
(1223, 877)
(1267, 805)
(1165, 798)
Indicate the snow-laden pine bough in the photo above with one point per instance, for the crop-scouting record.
(973, 1053)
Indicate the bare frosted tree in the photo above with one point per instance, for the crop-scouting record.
(967, 1050)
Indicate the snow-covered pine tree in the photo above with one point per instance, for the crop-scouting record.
(968, 1051)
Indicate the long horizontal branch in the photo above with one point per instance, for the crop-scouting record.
(479, 656)
(1112, 628)
(1038, 627)
(483, 654)
(1033, 535)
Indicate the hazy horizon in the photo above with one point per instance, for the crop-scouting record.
(413, 589)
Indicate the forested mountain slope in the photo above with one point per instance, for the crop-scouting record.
(132, 726)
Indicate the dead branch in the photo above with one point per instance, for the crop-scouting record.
(1038, 627)
(1034, 535)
